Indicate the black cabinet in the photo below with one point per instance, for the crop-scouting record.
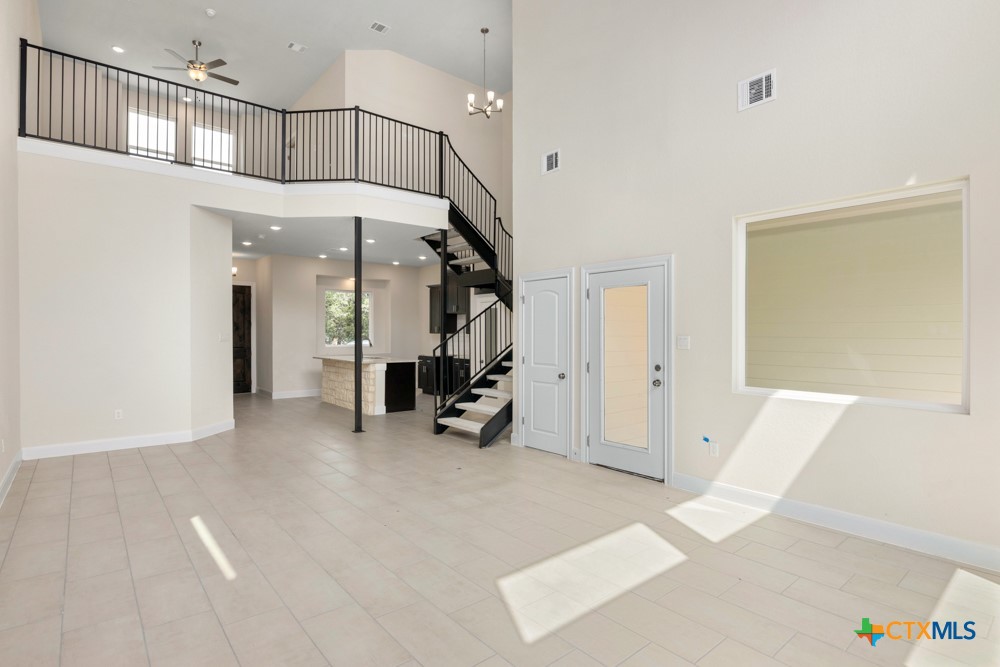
(459, 372)
(456, 303)
(428, 372)
(400, 394)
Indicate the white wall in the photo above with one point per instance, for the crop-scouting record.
(656, 160)
(265, 325)
(18, 18)
(387, 83)
(211, 319)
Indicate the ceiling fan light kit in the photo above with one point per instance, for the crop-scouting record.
(196, 69)
(493, 103)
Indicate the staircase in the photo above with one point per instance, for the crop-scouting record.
(476, 361)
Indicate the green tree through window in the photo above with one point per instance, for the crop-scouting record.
(340, 317)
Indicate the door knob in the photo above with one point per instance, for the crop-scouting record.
(562, 376)
(656, 383)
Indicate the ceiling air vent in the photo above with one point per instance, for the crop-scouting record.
(756, 90)
(550, 162)
(380, 28)
(298, 48)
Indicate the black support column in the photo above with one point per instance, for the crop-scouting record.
(358, 348)
(444, 370)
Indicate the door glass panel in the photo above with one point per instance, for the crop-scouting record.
(626, 366)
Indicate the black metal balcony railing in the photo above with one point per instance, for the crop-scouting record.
(73, 100)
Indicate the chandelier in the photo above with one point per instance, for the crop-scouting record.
(493, 104)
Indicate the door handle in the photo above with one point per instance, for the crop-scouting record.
(562, 376)
(656, 383)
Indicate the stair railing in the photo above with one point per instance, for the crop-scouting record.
(465, 355)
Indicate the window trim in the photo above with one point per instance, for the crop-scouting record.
(323, 289)
(740, 224)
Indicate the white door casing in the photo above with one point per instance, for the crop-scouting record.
(545, 373)
(629, 369)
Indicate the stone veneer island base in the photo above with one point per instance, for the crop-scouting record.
(388, 384)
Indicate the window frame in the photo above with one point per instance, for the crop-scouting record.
(323, 289)
(147, 153)
(740, 225)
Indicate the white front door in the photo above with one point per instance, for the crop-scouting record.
(546, 364)
(628, 381)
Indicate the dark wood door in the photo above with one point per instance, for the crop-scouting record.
(241, 339)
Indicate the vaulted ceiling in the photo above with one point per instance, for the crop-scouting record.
(253, 37)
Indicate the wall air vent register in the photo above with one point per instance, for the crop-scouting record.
(756, 90)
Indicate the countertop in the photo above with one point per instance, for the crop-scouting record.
(369, 359)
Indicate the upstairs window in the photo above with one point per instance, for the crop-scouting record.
(857, 301)
(151, 136)
(212, 148)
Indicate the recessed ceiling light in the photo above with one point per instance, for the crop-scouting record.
(210, 13)
(322, 256)
(275, 228)
(421, 257)
(369, 240)
(343, 250)
(117, 49)
(395, 263)
(247, 243)
(186, 99)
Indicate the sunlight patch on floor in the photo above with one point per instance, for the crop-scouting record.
(545, 597)
(968, 597)
(714, 518)
(772, 453)
(213, 548)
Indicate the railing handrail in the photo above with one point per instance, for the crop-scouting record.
(220, 96)
(471, 173)
(148, 76)
(464, 326)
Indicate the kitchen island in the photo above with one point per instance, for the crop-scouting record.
(388, 384)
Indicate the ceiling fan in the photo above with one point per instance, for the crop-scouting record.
(197, 70)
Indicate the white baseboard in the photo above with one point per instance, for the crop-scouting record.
(8, 477)
(212, 429)
(925, 541)
(128, 442)
(297, 393)
(515, 439)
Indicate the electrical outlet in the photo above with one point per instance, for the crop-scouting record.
(713, 448)
(3, 445)
(119, 414)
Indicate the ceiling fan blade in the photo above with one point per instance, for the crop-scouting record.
(176, 55)
(223, 78)
(218, 62)
(179, 69)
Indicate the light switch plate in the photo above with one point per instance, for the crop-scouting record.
(684, 342)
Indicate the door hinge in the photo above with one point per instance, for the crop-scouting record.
(522, 420)
(588, 441)
(588, 292)
(522, 298)
(588, 366)
(522, 359)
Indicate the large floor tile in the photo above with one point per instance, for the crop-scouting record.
(433, 638)
(273, 638)
(113, 643)
(348, 636)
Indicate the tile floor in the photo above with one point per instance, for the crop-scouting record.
(291, 541)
